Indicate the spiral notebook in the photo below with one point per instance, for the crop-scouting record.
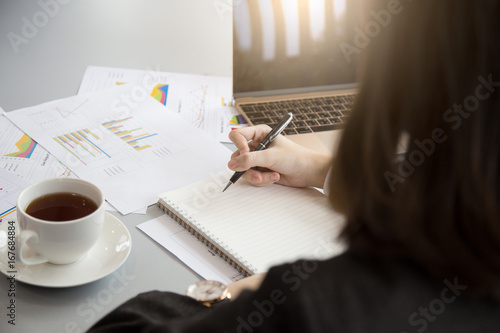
(254, 228)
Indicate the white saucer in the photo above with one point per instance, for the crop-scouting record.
(108, 254)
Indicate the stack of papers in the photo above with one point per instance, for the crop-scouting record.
(133, 133)
(203, 101)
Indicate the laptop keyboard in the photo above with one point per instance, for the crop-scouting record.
(309, 114)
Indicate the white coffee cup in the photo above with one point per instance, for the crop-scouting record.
(61, 242)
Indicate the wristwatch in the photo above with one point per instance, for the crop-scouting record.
(208, 292)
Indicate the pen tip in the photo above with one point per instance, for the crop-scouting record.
(225, 188)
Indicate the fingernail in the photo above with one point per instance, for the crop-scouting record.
(274, 178)
(232, 164)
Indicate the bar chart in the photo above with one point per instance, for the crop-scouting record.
(130, 132)
(83, 144)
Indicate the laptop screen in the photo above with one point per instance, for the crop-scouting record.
(293, 46)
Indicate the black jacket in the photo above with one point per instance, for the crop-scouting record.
(344, 294)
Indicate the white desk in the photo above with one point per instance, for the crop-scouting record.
(47, 62)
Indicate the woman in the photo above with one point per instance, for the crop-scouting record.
(423, 228)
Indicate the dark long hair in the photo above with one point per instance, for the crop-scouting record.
(431, 79)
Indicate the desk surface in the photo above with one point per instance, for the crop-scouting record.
(45, 47)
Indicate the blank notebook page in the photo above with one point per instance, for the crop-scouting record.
(259, 226)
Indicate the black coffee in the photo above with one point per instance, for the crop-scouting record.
(62, 206)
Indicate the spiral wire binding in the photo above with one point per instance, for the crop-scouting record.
(205, 237)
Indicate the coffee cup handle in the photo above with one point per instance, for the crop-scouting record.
(21, 240)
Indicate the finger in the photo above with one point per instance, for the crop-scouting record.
(263, 158)
(240, 137)
(259, 178)
(269, 178)
(235, 154)
(233, 165)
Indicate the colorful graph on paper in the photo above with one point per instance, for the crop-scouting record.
(227, 102)
(52, 117)
(6, 212)
(160, 92)
(82, 144)
(129, 131)
(62, 112)
(25, 146)
(199, 105)
(237, 120)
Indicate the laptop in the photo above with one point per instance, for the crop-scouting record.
(296, 56)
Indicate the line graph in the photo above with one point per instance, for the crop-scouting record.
(199, 105)
(52, 116)
(7, 212)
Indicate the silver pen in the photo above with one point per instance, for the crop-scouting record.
(280, 126)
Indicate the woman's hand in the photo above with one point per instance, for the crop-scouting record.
(283, 162)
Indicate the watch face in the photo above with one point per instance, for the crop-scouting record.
(207, 291)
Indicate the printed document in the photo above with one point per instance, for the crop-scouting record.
(129, 146)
